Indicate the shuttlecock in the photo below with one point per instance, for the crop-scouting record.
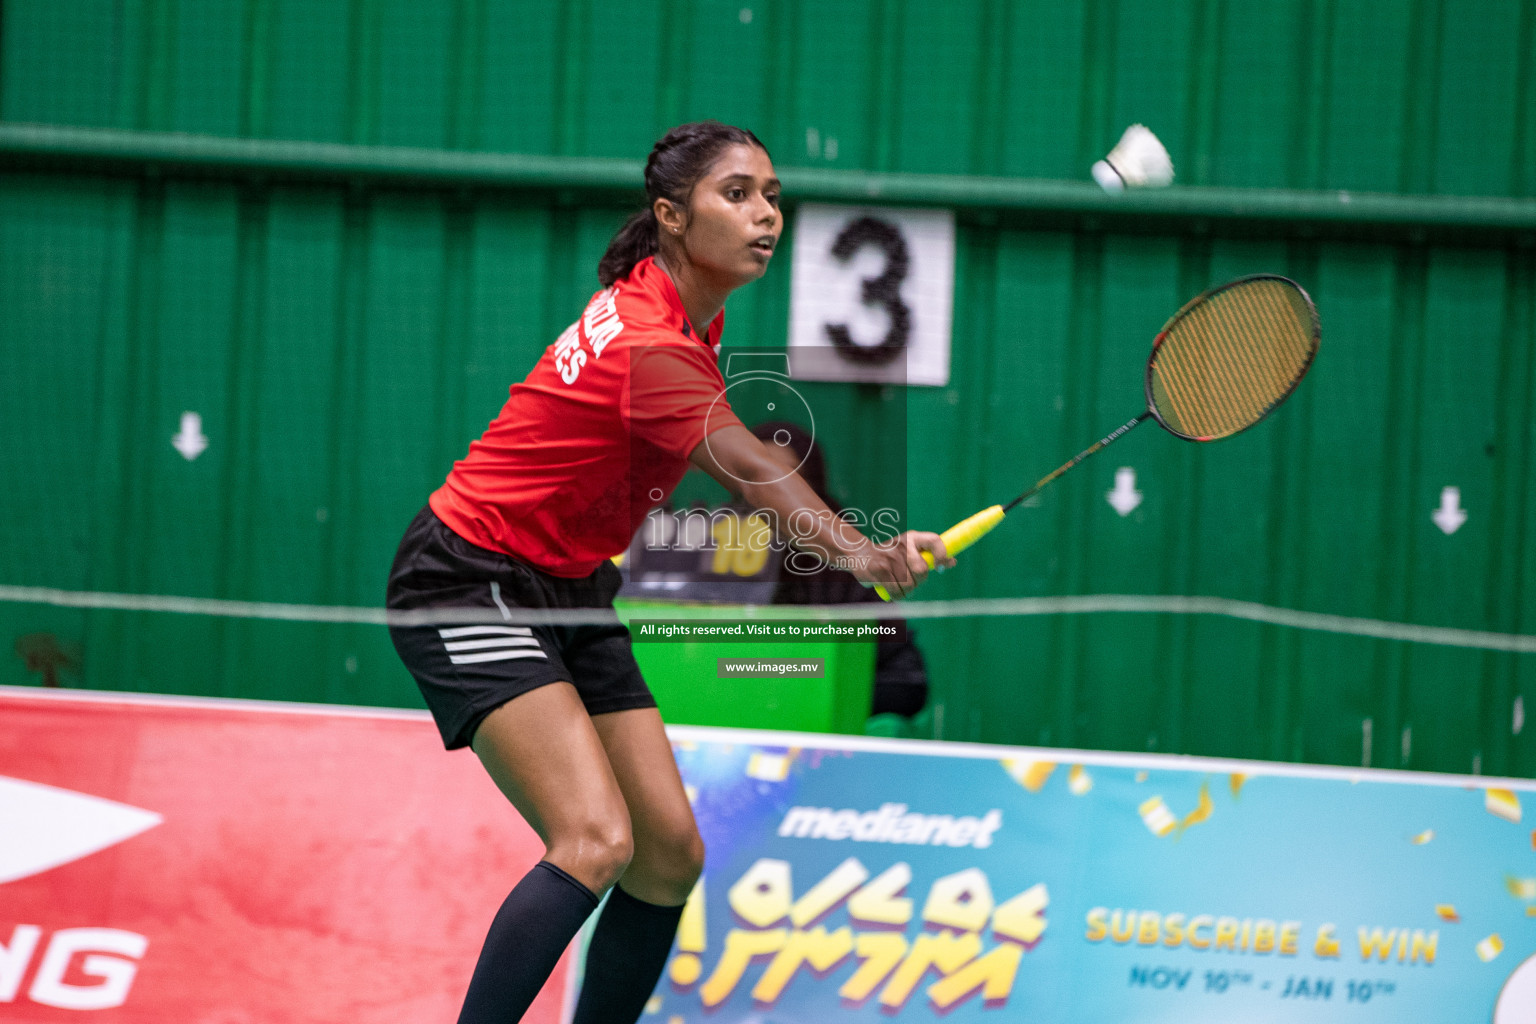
(1137, 161)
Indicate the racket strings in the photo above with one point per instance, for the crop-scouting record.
(1229, 358)
(1208, 369)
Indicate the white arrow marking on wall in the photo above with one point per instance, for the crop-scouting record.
(1449, 516)
(190, 441)
(1125, 497)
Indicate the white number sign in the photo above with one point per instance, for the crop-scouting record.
(871, 294)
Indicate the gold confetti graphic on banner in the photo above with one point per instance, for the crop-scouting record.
(1447, 912)
(691, 792)
(1202, 811)
(1079, 782)
(1503, 803)
(769, 767)
(1142, 777)
(653, 1004)
(1160, 820)
(1490, 947)
(1237, 780)
(1032, 775)
(1423, 837)
(1530, 911)
(1521, 888)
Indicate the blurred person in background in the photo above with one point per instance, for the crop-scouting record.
(901, 677)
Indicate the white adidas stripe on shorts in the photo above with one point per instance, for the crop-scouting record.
(490, 643)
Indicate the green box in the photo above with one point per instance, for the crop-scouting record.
(683, 677)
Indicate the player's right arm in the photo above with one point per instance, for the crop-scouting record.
(740, 463)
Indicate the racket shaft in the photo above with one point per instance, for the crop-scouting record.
(968, 531)
(1112, 437)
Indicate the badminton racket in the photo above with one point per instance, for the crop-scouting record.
(1220, 365)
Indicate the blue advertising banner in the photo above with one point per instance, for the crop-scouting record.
(864, 879)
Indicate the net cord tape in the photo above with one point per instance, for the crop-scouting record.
(992, 607)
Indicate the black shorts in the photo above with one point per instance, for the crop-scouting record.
(466, 672)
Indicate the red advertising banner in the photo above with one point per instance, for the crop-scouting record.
(230, 862)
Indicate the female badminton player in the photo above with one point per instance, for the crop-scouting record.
(599, 433)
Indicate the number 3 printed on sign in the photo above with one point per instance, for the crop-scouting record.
(870, 294)
(884, 290)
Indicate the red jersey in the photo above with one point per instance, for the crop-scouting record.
(597, 436)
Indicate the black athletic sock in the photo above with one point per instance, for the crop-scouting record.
(629, 948)
(534, 925)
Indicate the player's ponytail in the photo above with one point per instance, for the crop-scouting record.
(677, 162)
(636, 240)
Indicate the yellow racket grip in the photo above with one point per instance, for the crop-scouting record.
(960, 536)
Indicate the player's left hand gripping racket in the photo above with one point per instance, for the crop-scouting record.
(1222, 364)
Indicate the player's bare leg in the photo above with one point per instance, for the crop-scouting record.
(633, 936)
(545, 756)
(668, 851)
(543, 753)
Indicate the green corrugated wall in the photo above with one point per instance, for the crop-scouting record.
(344, 335)
(1416, 96)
